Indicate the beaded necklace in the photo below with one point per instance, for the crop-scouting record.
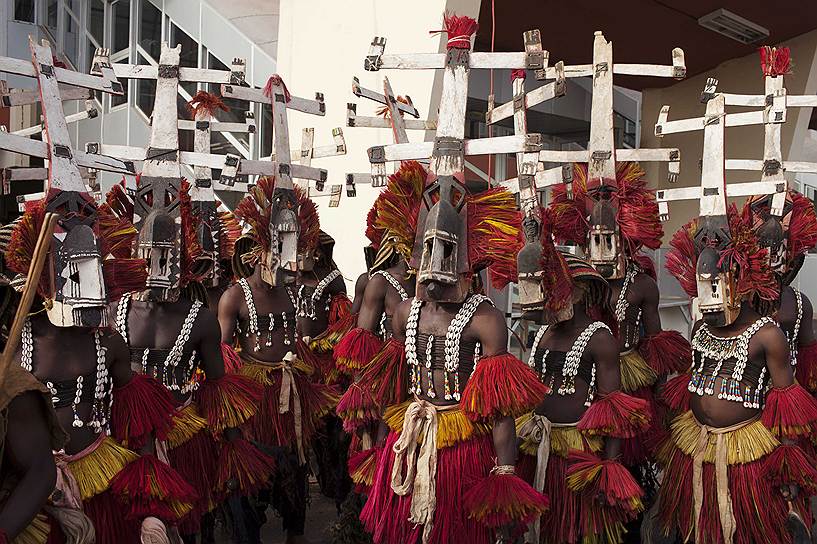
(103, 392)
(306, 305)
(622, 304)
(720, 349)
(795, 333)
(400, 291)
(174, 357)
(453, 336)
(573, 358)
(253, 317)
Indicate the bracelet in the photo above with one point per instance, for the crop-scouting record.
(503, 470)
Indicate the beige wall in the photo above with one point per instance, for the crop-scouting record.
(321, 45)
(741, 75)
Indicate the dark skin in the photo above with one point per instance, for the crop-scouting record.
(156, 325)
(54, 363)
(360, 288)
(487, 327)
(787, 316)
(268, 299)
(380, 296)
(642, 293)
(602, 351)
(27, 453)
(310, 279)
(768, 346)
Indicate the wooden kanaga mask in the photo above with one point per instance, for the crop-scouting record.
(441, 251)
(279, 263)
(157, 215)
(604, 239)
(718, 302)
(529, 267)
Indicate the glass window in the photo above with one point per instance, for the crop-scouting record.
(71, 45)
(119, 100)
(90, 49)
(145, 92)
(150, 30)
(96, 20)
(236, 113)
(265, 127)
(186, 137)
(51, 16)
(73, 5)
(121, 26)
(189, 55)
(24, 10)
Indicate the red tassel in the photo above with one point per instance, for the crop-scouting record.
(789, 412)
(806, 370)
(205, 101)
(307, 357)
(788, 464)
(356, 349)
(142, 410)
(153, 488)
(340, 307)
(362, 466)
(607, 478)
(675, 393)
(241, 460)
(666, 352)
(385, 377)
(356, 408)
(501, 499)
(228, 401)
(275, 79)
(618, 415)
(232, 362)
(459, 30)
(501, 385)
(775, 61)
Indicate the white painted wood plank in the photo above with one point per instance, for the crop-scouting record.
(63, 169)
(146, 71)
(358, 90)
(89, 112)
(802, 101)
(24, 97)
(601, 146)
(557, 155)
(713, 175)
(395, 114)
(532, 98)
(379, 122)
(219, 126)
(64, 76)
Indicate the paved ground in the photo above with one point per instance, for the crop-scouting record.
(319, 517)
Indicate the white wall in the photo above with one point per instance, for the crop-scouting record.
(319, 51)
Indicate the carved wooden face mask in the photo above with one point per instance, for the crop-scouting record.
(79, 285)
(716, 290)
(604, 241)
(529, 267)
(207, 266)
(441, 251)
(280, 263)
(157, 215)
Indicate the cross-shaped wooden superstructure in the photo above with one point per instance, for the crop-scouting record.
(450, 147)
(281, 164)
(56, 148)
(396, 110)
(772, 113)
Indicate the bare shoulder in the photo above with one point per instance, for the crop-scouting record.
(645, 286)
(114, 342)
(771, 336)
(232, 297)
(603, 343)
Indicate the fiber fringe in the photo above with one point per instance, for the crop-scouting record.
(453, 426)
(357, 408)
(806, 370)
(249, 466)
(617, 415)
(187, 421)
(636, 373)
(232, 362)
(666, 352)
(228, 401)
(153, 488)
(501, 385)
(95, 471)
(385, 376)
(501, 499)
(674, 393)
(356, 349)
(790, 412)
(142, 410)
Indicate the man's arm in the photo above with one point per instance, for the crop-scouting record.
(604, 351)
(28, 451)
(489, 325)
(650, 297)
(400, 319)
(806, 334)
(228, 308)
(776, 351)
(209, 348)
(373, 303)
(360, 288)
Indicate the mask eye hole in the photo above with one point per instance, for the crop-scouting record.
(74, 277)
(163, 259)
(448, 249)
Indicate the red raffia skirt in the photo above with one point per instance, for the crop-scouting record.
(192, 451)
(465, 455)
(275, 429)
(759, 509)
(566, 520)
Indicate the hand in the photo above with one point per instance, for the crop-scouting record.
(790, 492)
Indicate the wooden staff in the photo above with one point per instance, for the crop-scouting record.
(29, 290)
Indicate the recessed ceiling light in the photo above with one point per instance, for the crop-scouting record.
(733, 26)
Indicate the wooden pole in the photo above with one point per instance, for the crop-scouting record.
(29, 290)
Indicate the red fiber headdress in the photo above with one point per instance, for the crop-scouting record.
(309, 222)
(744, 255)
(115, 236)
(637, 215)
(494, 234)
(204, 101)
(799, 222)
(775, 61)
(392, 220)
